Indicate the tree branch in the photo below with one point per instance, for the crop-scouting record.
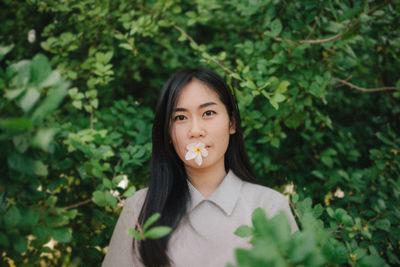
(335, 37)
(78, 204)
(194, 42)
(340, 85)
(368, 90)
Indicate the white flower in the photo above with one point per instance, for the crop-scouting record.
(289, 189)
(31, 36)
(339, 193)
(196, 151)
(114, 193)
(124, 182)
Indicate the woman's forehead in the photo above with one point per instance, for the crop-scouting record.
(197, 94)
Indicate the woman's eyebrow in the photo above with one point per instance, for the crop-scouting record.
(207, 104)
(179, 109)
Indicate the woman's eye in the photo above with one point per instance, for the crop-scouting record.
(209, 113)
(179, 118)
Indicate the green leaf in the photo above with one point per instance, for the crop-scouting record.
(62, 235)
(30, 220)
(88, 108)
(258, 218)
(164, 23)
(77, 104)
(274, 104)
(372, 261)
(41, 232)
(275, 142)
(330, 212)
(40, 168)
(4, 242)
(73, 92)
(21, 163)
(295, 198)
(99, 198)
(107, 183)
(135, 234)
(327, 160)
(29, 99)
(50, 103)
(40, 69)
(283, 86)
(152, 219)
(278, 98)
(4, 50)
(318, 174)
(303, 245)
(53, 79)
(236, 76)
(44, 138)
(384, 139)
(21, 244)
(276, 27)
(383, 225)
(95, 103)
(11, 94)
(126, 46)
(12, 217)
(130, 191)
(22, 142)
(111, 199)
(51, 201)
(244, 231)
(16, 124)
(23, 74)
(158, 232)
(317, 211)
(115, 181)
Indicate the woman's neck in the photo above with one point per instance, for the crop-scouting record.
(206, 180)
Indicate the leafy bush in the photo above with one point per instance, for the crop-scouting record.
(317, 84)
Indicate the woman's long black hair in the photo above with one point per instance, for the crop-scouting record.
(168, 191)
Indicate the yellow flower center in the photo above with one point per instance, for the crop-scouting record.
(197, 150)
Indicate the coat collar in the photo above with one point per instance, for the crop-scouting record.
(225, 196)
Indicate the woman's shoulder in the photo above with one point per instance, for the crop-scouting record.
(135, 202)
(263, 193)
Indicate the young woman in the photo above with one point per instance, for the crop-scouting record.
(201, 180)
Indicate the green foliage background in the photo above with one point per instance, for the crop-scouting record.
(76, 116)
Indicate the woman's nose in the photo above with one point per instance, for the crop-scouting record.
(196, 129)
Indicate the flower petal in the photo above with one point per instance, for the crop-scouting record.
(201, 145)
(198, 159)
(190, 155)
(191, 146)
(204, 152)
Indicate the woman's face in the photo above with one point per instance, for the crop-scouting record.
(200, 116)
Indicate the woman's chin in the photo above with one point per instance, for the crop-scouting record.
(194, 165)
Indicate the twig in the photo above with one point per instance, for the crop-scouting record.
(91, 115)
(315, 24)
(78, 204)
(337, 230)
(340, 85)
(194, 42)
(294, 209)
(138, 226)
(337, 36)
(121, 201)
(365, 89)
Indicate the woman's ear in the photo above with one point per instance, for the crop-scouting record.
(232, 126)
